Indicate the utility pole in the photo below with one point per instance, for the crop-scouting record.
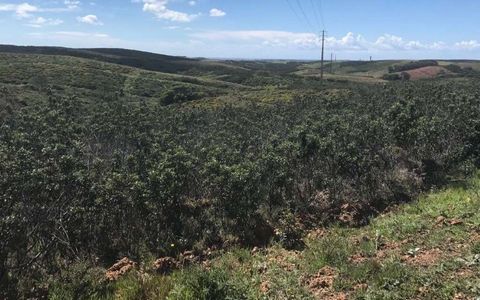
(331, 63)
(323, 48)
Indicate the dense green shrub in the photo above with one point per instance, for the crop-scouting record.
(80, 281)
(199, 284)
(122, 178)
(178, 95)
(392, 77)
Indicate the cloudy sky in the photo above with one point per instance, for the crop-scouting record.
(356, 29)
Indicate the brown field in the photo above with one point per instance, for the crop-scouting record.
(427, 72)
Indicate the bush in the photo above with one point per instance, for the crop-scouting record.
(80, 281)
(142, 287)
(289, 232)
(476, 248)
(454, 68)
(405, 76)
(119, 178)
(179, 94)
(391, 77)
(198, 284)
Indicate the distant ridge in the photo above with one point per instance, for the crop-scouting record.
(132, 58)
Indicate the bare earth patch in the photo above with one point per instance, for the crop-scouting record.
(461, 296)
(464, 273)
(424, 258)
(284, 258)
(321, 285)
(388, 249)
(120, 268)
(265, 287)
(317, 234)
(426, 72)
(385, 249)
(475, 236)
(165, 265)
(358, 258)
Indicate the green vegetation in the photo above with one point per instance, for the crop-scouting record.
(412, 65)
(131, 58)
(425, 250)
(100, 161)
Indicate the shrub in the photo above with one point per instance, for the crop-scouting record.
(391, 77)
(179, 94)
(476, 248)
(80, 281)
(118, 178)
(198, 284)
(139, 286)
(288, 232)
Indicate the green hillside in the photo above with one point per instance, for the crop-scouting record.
(234, 179)
(132, 58)
(29, 78)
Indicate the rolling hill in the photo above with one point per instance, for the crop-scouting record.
(131, 175)
(132, 58)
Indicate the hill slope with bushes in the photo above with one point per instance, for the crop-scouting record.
(429, 249)
(101, 161)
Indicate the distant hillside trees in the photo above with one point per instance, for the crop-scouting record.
(466, 71)
(412, 65)
(396, 76)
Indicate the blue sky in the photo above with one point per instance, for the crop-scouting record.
(357, 29)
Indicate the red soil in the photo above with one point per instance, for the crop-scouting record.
(426, 72)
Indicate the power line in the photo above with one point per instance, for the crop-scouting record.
(305, 15)
(318, 11)
(321, 14)
(314, 8)
(307, 20)
(293, 9)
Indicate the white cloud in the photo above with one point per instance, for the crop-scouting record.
(72, 4)
(23, 10)
(160, 10)
(215, 12)
(81, 34)
(392, 42)
(89, 19)
(40, 22)
(262, 37)
(468, 45)
(26, 10)
(350, 42)
(192, 3)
